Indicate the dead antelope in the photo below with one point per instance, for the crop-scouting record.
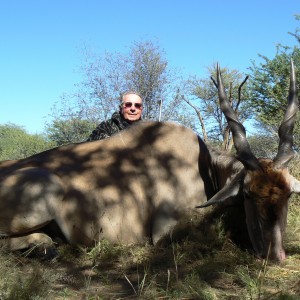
(265, 184)
(138, 183)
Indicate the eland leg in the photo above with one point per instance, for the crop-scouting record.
(29, 199)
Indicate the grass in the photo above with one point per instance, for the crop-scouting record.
(201, 261)
(204, 258)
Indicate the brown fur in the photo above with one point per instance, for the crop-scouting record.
(269, 186)
(120, 188)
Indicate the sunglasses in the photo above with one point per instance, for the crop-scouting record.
(129, 105)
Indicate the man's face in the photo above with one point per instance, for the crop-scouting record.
(131, 107)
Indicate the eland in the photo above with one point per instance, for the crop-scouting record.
(137, 184)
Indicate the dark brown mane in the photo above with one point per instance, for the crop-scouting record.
(270, 185)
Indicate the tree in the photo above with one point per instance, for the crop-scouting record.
(202, 96)
(144, 69)
(69, 131)
(16, 143)
(147, 73)
(269, 86)
(263, 145)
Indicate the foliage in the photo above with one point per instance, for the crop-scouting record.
(69, 131)
(144, 69)
(147, 73)
(16, 143)
(269, 86)
(263, 145)
(202, 96)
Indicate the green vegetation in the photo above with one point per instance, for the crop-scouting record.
(63, 132)
(16, 143)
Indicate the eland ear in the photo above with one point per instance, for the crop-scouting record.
(226, 194)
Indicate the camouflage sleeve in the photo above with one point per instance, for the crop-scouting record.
(102, 131)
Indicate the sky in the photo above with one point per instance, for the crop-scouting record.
(42, 41)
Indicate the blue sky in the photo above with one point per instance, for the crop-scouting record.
(41, 42)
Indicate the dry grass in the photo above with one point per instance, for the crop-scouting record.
(200, 261)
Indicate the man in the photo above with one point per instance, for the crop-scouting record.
(131, 108)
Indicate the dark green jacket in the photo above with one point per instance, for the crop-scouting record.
(107, 128)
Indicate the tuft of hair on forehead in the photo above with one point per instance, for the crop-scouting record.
(271, 184)
(128, 92)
